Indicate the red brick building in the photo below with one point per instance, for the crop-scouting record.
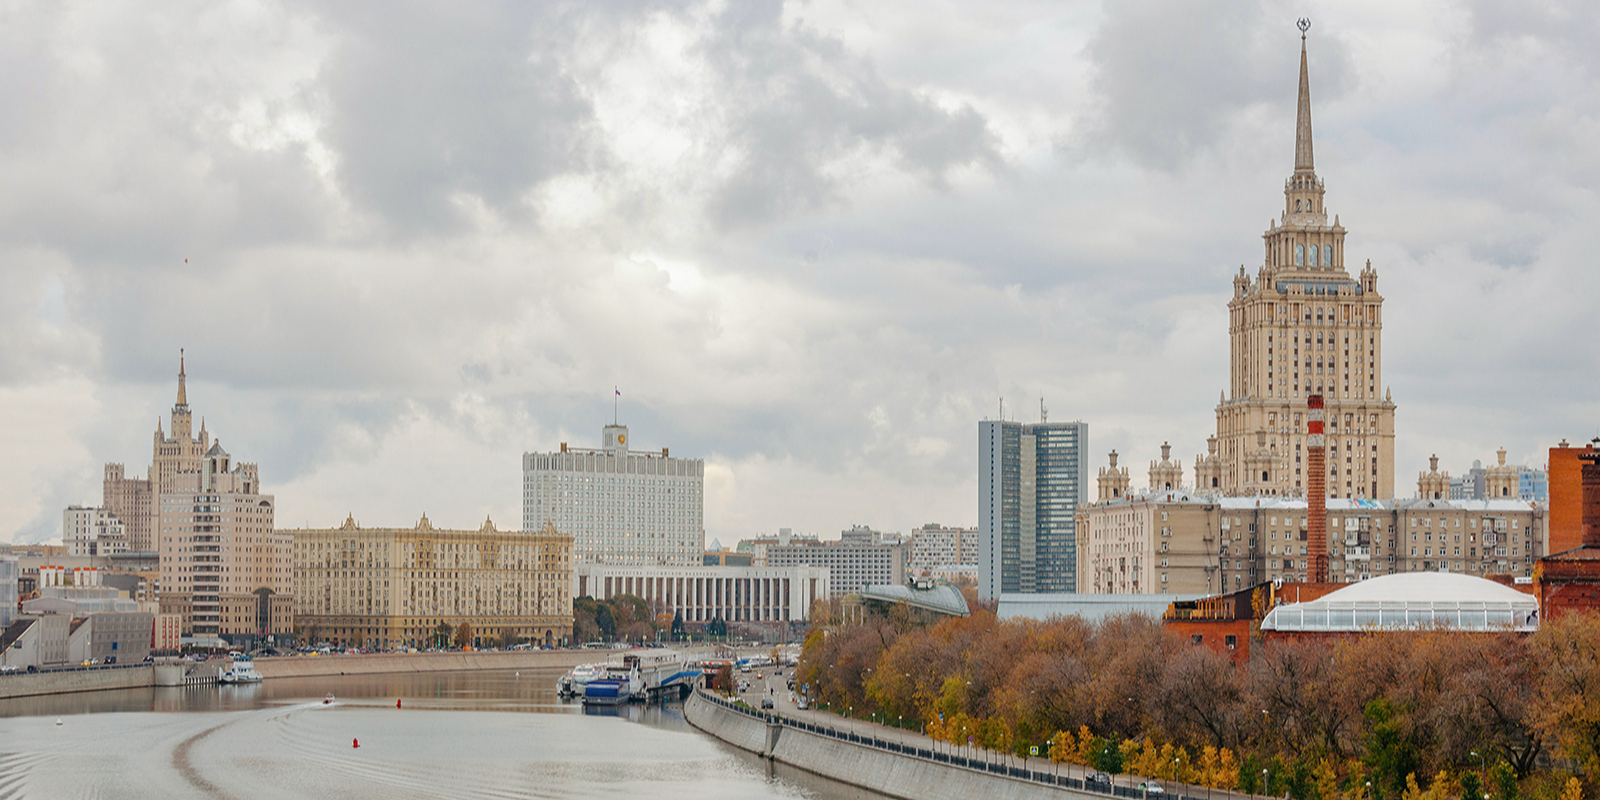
(1569, 580)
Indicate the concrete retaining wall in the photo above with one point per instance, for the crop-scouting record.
(88, 680)
(887, 773)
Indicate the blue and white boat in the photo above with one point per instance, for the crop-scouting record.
(640, 676)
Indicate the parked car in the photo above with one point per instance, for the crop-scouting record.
(766, 703)
(1151, 787)
(1097, 778)
(801, 704)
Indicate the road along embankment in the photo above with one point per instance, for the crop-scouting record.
(886, 767)
(380, 663)
(91, 679)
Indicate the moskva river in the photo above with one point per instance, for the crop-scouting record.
(460, 734)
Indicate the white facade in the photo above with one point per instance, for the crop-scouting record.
(702, 594)
(938, 546)
(859, 559)
(621, 506)
(89, 531)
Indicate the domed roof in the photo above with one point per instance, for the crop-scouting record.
(1411, 600)
(1431, 586)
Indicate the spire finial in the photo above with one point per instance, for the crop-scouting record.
(183, 393)
(1303, 161)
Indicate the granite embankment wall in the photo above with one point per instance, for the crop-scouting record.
(862, 764)
(133, 676)
(379, 663)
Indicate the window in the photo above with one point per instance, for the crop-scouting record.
(1299, 250)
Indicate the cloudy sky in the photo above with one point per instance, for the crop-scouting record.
(812, 242)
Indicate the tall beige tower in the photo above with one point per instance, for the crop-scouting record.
(1113, 480)
(1303, 326)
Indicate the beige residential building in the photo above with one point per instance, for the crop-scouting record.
(220, 567)
(220, 556)
(393, 587)
(92, 532)
(1181, 543)
(1304, 326)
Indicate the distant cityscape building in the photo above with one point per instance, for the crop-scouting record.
(1181, 543)
(757, 547)
(1502, 480)
(88, 531)
(934, 546)
(1304, 327)
(702, 594)
(621, 506)
(727, 558)
(208, 525)
(1031, 479)
(9, 573)
(862, 556)
(392, 587)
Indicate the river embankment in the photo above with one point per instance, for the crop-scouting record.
(882, 765)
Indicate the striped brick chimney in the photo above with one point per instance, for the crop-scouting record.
(1591, 498)
(1316, 493)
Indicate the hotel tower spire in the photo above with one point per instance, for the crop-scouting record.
(1304, 163)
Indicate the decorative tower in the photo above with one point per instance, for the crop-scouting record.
(1303, 326)
(1500, 482)
(1113, 480)
(1166, 474)
(1433, 484)
(1208, 470)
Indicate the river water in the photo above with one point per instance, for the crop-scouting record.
(455, 734)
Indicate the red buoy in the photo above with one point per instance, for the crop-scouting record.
(397, 704)
(355, 742)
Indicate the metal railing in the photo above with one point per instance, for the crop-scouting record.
(974, 762)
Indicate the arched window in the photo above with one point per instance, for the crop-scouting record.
(1327, 255)
(1299, 255)
(1297, 205)
(1314, 255)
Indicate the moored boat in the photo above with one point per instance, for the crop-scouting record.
(241, 670)
(573, 683)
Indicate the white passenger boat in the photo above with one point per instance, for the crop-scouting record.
(641, 675)
(241, 670)
(572, 683)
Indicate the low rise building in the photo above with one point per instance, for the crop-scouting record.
(861, 557)
(934, 546)
(87, 531)
(1181, 543)
(392, 587)
(758, 546)
(703, 594)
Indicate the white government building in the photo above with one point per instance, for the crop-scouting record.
(733, 594)
(621, 506)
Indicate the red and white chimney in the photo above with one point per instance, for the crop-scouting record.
(1316, 493)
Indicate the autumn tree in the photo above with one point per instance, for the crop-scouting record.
(463, 636)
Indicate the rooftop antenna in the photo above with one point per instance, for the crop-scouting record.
(616, 394)
(1002, 409)
(1044, 413)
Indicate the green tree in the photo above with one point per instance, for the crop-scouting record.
(1390, 756)
(1107, 755)
(1471, 786)
(1504, 780)
(677, 626)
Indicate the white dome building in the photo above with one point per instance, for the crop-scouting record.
(1411, 600)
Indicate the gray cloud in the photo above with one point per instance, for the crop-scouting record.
(814, 249)
(1172, 78)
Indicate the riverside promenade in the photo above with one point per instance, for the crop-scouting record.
(903, 763)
